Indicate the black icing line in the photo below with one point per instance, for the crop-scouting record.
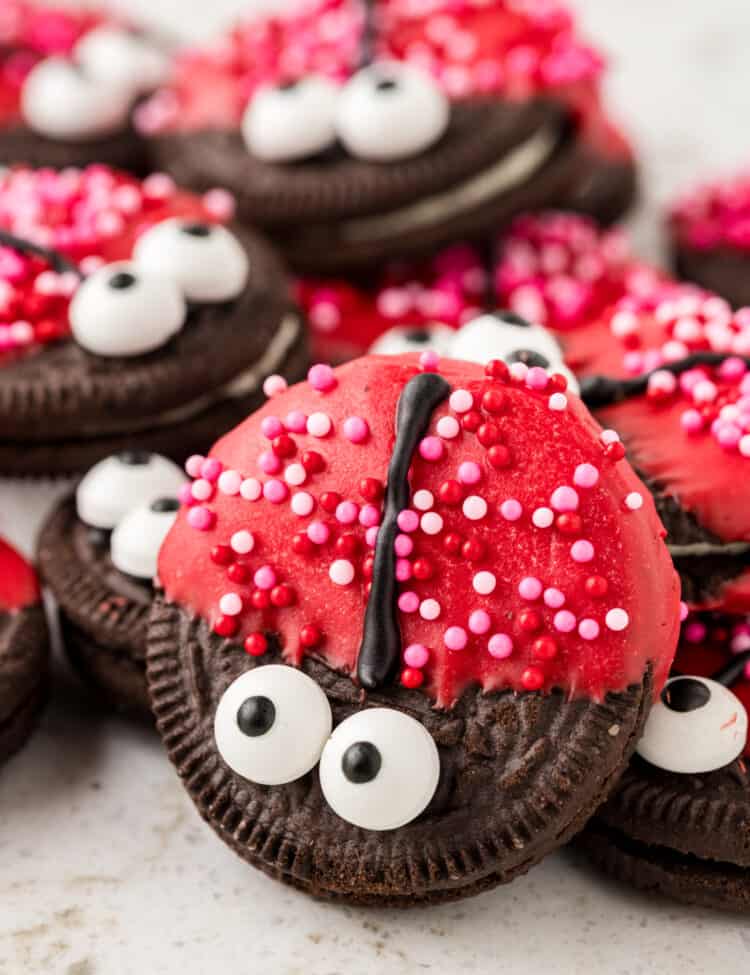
(380, 650)
(599, 391)
(57, 261)
(731, 672)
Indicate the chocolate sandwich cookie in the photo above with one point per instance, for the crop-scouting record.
(410, 660)
(358, 131)
(24, 651)
(135, 319)
(97, 554)
(69, 81)
(664, 365)
(679, 822)
(710, 231)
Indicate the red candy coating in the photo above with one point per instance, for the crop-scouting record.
(19, 586)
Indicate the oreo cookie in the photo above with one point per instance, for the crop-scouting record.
(136, 319)
(69, 81)
(24, 651)
(97, 555)
(358, 131)
(665, 366)
(678, 822)
(710, 238)
(410, 660)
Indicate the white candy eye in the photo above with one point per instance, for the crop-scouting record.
(124, 481)
(380, 769)
(121, 310)
(271, 724)
(697, 725)
(121, 59)
(391, 111)
(506, 336)
(294, 121)
(136, 540)
(417, 338)
(61, 102)
(206, 260)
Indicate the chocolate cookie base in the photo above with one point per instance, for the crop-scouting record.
(706, 883)
(603, 188)
(24, 653)
(520, 774)
(123, 150)
(724, 270)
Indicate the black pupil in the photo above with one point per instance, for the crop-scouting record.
(288, 86)
(122, 280)
(256, 716)
(134, 458)
(165, 504)
(361, 762)
(196, 229)
(418, 336)
(685, 694)
(511, 318)
(386, 84)
(529, 357)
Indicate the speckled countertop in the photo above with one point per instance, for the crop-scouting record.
(104, 867)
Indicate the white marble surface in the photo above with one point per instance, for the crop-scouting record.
(105, 868)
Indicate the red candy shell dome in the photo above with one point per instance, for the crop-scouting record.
(530, 555)
(18, 582)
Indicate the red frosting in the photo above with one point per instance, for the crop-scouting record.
(30, 32)
(714, 215)
(559, 583)
(89, 216)
(18, 583)
(515, 49)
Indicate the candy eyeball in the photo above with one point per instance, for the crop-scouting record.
(124, 481)
(206, 260)
(391, 111)
(417, 338)
(121, 59)
(61, 102)
(137, 538)
(696, 726)
(504, 335)
(379, 769)
(283, 123)
(271, 724)
(121, 310)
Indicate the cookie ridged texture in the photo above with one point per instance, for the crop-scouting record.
(687, 879)
(122, 150)
(281, 195)
(175, 440)
(604, 188)
(724, 270)
(24, 661)
(520, 775)
(706, 816)
(62, 391)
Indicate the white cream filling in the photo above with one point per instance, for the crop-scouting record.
(511, 171)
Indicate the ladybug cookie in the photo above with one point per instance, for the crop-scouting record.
(679, 821)
(358, 131)
(69, 80)
(132, 317)
(665, 365)
(412, 623)
(24, 651)
(97, 555)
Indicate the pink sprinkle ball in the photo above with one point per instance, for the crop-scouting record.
(416, 655)
(202, 489)
(431, 523)
(609, 436)
(564, 621)
(271, 426)
(537, 378)
(564, 499)
(408, 520)
(356, 429)
(403, 546)
(431, 448)
(319, 424)
(303, 504)
(220, 204)
(543, 517)
(554, 598)
(318, 532)
(193, 465)
(403, 570)
(511, 509)
(461, 401)
(265, 577)
(530, 588)
(321, 378)
(588, 629)
(295, 422)
(423, 500)
(371, 536)
(429, 361)
(582, 551)
(369, 516)
(408, 602)
(273, 385)
(201, 518)
(683, 611)
(479, 622)
(230, 482)
(429, 609)
(455, 638)
(275, 491)
(448, 427)
(500, 646)
(691, 421)
(347, 512)
(469, 472)
(185, 494)
(251, 489)
(269, 463)
(585, 476)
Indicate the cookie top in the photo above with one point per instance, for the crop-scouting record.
(519, 547)
(714, 215)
